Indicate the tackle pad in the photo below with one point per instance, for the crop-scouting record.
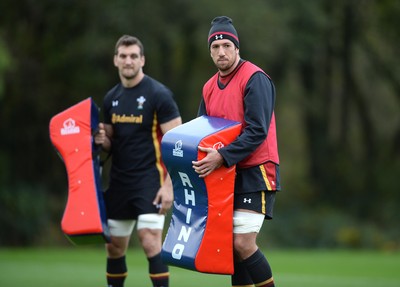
(71, 132)
(200, 235)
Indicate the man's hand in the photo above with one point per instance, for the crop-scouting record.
(103, 135)
(164, 197)
(211, 162)
(100, 137)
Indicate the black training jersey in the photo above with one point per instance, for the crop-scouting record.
(136, 114)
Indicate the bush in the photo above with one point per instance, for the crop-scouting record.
(23, 215)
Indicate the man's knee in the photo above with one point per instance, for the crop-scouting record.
(240, 243)
(150, 228)
(244, 244)
(117, 247)
(150, 240)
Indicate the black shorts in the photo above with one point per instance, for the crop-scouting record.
(265, 176)
(261, 202)
(122, 204)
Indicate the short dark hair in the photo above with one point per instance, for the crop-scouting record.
(127, 40)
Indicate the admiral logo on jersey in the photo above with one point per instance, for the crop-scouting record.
(126, 119)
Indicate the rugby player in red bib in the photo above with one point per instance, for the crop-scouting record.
(243, 92)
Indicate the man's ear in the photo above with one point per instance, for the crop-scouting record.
(143, 60)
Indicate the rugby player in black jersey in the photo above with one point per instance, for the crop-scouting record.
(137, 112)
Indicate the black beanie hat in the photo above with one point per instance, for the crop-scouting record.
(222, 28)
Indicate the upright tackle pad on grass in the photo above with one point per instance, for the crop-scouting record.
(71, 132)
(200, 235)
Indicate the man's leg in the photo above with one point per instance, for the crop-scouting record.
(117, 270)
(241, 277)
(253, 261)
(249, 260)
(150, 228)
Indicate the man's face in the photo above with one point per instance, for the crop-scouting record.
(129, 61)
(224, 54)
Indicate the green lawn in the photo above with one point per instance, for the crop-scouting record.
(83, 266)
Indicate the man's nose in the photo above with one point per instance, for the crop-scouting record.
(128, 60)
(221, 51)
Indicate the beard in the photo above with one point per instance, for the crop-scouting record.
(225, 64)
(223, 67)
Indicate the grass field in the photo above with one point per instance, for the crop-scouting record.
(77, 266)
